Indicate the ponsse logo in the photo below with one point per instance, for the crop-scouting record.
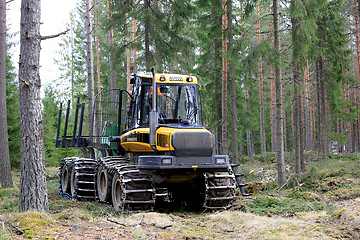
(176, 79)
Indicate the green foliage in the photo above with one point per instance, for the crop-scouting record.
(99, 210)
(13, 115)
(186, 37)
(278, 206)
(51, 105)
(266, 158)
(9, 199)
(3, 235)
(72, 64)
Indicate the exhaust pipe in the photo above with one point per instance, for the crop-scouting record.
(153, 116)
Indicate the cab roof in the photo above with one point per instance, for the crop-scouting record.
(169, 78)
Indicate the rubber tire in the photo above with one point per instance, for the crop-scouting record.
(65, 179)
(116, 193)
(72, 182)
(103, 185)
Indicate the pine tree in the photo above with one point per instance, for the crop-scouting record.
(90, 64)
(5, 170)
(279, 109)
(231, 79)
(33, 190)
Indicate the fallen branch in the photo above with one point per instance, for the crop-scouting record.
(114, 221)
(287, 181)
(164, 227)
(19, 231)
(55, 35)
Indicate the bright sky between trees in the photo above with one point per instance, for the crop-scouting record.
(54, 16)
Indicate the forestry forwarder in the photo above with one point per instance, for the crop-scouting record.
(147, 148)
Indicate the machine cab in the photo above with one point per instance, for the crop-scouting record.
(176, 100)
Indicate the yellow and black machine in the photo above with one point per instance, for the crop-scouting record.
(147, 148)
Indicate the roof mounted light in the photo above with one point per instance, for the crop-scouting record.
(189, 79)
(162, 79)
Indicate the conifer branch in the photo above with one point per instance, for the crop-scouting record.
(55, 35)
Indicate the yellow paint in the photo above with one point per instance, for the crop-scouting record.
(145, 147)
(171, 78)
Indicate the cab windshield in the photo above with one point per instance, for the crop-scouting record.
(175, 104)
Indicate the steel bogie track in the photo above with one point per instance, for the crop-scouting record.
(114, 180)
(132, 190)
(104, 174)
(65, 177)
(77, 178)
(219, 190)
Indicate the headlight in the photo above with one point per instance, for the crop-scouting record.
(166, 161)
(220, 161)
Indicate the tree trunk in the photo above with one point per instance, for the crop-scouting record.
(297, 138)
(224, 101)
(307, 109)
(97, 56)
(357, 53)
(111, 47)
(261, 97)
(217, 77)
(90, 67)
(272, 97)
(33, 190)
(5, 170)
(134, 50)
(279, 108)
(147, 33)
(249, 138)
(297, 97)
(234, 131)
(127, 53)
(321, 106)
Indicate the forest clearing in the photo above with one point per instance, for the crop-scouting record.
(326, 205)
(159, 108)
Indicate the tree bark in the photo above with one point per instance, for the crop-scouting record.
(134, 50)
(90, 65)
(218, 82)
(97, 55)
(307, 109)
(33, 190)
(234, 130)
(321, 106)
(279, 93)
(261, 94)
(147, 37)
(358, 56)
(296, 79)
(272, 97)
(111, 47)
(224, 94)
(5, 169)
(297, 138)
(249, 138)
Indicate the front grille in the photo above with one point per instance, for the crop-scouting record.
(192, 140)
(193, 160)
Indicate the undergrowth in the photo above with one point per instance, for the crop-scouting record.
(3, 235)
(285, 206)
(324, 181)
(9, 199)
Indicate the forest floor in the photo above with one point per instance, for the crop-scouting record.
(325, 205)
